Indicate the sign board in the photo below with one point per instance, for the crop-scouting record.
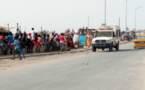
(106, 28)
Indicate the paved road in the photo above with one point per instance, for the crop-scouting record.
(123, 70)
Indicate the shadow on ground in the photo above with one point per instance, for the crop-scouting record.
(122, 50)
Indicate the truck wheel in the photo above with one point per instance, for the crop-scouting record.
(117, 46)
(94, 49)
(111, 47)
(102, 49)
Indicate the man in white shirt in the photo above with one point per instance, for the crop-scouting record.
(76, 40)
(75, 37)
(32, 34)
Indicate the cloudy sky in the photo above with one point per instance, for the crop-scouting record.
(62, 14)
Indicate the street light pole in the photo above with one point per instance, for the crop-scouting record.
(135, 19)
(126, 16)
(8, 27)
(135, 16)
(119, 21)
(105, 14)
(88, 21)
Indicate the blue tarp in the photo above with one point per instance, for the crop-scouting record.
(82, 40)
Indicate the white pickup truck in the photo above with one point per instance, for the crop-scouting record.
(105, 39)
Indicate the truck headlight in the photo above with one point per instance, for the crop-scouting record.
(93, 42)
(108, 41)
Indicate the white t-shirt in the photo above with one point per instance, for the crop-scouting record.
(32, 34)
(75, 38)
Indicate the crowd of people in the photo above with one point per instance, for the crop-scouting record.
(51, 41)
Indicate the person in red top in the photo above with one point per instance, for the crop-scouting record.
(38, 45)
(62, 41)
(1, 39)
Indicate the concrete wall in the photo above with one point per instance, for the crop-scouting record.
(34, 50)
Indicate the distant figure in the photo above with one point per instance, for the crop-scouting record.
(82, 40)
(52, 43)
(62, 42)
(22, 46)
(18, 31)
(10, 42)
(17, 48)
(69, 43)
(29, 43)
(89, 39)
(37, 42)
(76, 40)
(1, 40)
(32, 34)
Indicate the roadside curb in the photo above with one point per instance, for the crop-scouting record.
(44, 54)
(53, 53)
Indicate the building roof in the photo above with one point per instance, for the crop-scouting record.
(5, 29)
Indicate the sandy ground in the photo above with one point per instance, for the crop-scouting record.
(7, 65)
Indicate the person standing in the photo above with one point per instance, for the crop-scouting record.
(1, 39)
(22, 46)
(39, 40)
(17, 48)
(52, 42)
(32, 34)
(62, 42)
(82, 40)
(47, 43)
(29, 43)
(76, 40)
(10, 38)
(89, 39)
(10, 42)
(4, 45)
(18, 31)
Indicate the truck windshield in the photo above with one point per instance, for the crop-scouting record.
(104, 34)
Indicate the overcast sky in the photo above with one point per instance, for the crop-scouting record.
(62, 14)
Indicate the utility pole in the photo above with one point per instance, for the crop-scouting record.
(88, 21)
(8, 27)
(135, 16)
(41, 30)
(119, 21)
(126, 16)
(105, 14)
